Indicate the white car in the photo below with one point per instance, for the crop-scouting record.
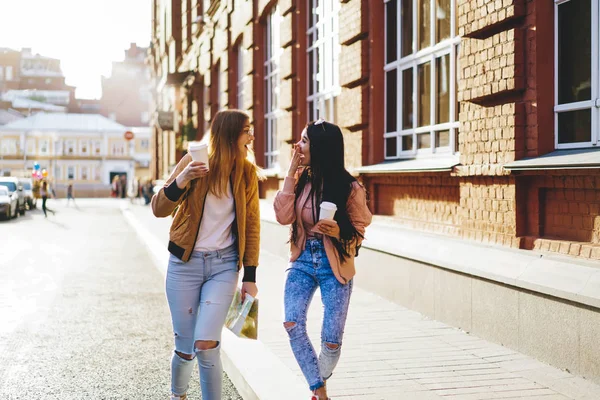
(14, 187)
(8, 203)
(27, 185)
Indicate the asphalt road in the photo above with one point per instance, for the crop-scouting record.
(83, 313)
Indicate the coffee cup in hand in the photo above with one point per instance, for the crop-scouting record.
(327, 210)
(199, 152)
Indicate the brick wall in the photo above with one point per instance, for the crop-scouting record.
(561, 213)
(488, 206)
(420, 201)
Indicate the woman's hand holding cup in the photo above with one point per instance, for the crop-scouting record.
(194, 170)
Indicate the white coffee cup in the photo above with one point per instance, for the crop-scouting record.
(199, 152)
(327, 210)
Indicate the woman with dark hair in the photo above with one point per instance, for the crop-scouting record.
(215, 232)
(322, 250)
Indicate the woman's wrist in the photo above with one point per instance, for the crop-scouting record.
(181, 183)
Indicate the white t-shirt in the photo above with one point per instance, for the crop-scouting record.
(217, 221)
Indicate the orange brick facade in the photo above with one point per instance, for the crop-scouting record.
(505, 95)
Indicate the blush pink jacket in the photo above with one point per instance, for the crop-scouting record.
(287, 211)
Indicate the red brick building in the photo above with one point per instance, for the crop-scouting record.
(25, 76)
(462, 119)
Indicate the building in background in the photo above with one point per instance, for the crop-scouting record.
(34, 83)
(126, 95)
(87, 150)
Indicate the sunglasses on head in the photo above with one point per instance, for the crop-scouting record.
(320, 122)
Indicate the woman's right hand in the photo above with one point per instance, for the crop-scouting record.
(295, 163)
(193, 170)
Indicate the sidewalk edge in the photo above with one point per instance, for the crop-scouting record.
(254, 370)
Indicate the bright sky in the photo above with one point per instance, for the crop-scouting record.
(86, 35)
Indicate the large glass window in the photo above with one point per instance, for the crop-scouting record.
(421, 47)
(576, 64)
(323, 58)
(241, 77)
(272, 85)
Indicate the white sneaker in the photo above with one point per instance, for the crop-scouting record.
(183, 397)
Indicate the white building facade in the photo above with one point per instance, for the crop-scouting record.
(86, 150)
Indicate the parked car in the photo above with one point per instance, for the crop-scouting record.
(27, 184)
(13, 186)
(8, 203)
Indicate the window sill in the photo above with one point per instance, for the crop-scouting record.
(559, 159)
(443, 164)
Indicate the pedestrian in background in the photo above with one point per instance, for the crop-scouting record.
(322, 251)
(215, 232)
(114, 186)
(70, 195)
(45, 192)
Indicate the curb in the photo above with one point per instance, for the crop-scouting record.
(254, 370)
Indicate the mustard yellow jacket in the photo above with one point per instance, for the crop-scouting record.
(184, 229)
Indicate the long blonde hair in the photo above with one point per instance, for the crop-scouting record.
(223, 150)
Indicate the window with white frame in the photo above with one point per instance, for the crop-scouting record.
(272, 85)
(44, 146)
(70, 147)
(1, 73)
(323, 58)
(144, 144)
(84, 147)
(30, 146)
(421, 48)
(97, 148)
(9, 146)
(9, 73)
(577, 86)
(71, 172)
(241, 77)
(118, 148)
(58, 172)
(84, 173)
(96, 173)
(58, 147)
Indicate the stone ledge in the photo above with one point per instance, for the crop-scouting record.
(553, 275)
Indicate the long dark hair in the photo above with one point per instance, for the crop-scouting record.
(330, 181)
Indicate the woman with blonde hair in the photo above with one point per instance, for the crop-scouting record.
(214, 233)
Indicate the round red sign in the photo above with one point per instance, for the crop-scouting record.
(128, 135)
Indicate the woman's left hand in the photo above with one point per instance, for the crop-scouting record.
(328, 227)
(250, 288)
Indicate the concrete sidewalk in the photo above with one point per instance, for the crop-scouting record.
(389, 352)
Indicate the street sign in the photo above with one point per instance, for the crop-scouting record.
(128, 135)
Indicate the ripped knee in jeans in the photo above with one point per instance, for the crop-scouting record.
(184, 356)
(288, 325)
(332, 347)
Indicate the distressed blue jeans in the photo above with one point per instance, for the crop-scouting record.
(309, 271)
(199, 293)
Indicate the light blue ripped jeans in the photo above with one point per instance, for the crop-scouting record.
(199, 293)
(310, 270)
